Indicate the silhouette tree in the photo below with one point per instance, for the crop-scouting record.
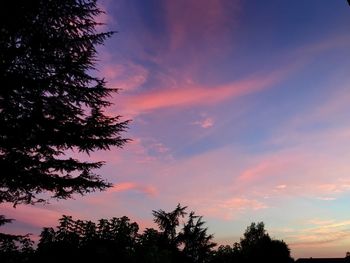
(191, 243)
(118, 240)
(254, 234)
(223, 254)
(124, 232)
(195, 240)
(50, 101)
(228, 254)
(168, 222)
(47, 237)
(86, 241)
(279, 251)
(257, 245)
(90, 232)
(149, 249)
(169, 241)
(14, 248)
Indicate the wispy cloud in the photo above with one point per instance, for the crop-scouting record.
(326, 198)
(126, 76)
(323, 233)
(242, 204)
(36, 216)
(205, 123)
(192, 95)
(132, 186)
(281, 186)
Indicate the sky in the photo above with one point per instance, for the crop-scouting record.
(240, 111)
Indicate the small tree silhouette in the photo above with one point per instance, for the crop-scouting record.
(197, 243)
(14, 248)
(257, 245)
(168, 222)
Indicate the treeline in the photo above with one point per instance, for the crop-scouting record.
(180, 237)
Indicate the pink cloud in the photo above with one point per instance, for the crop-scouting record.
(121, 187)
(227, 209)
(37, 216)
(192, 95)
(148, 150)
(205, 123)
(126, 76)
(281, 186)
(271, 166)
(172, 93)
(242, 204)
(306, 171)
(131, 186)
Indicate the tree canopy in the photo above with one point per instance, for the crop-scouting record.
(118, 239)
(50, 101)
(256, 245)
(179, 237)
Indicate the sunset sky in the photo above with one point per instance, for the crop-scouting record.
(240, 110)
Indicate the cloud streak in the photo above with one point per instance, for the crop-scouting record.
(192, 95)
(131, 186)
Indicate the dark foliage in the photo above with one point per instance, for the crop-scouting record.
(167, 223)
(119, 240)
(255, 246)
(49, 100)
(83, 241)
(197, 244)
(191, 243)
(14, 248)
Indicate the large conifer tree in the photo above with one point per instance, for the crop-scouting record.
(50, 101)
